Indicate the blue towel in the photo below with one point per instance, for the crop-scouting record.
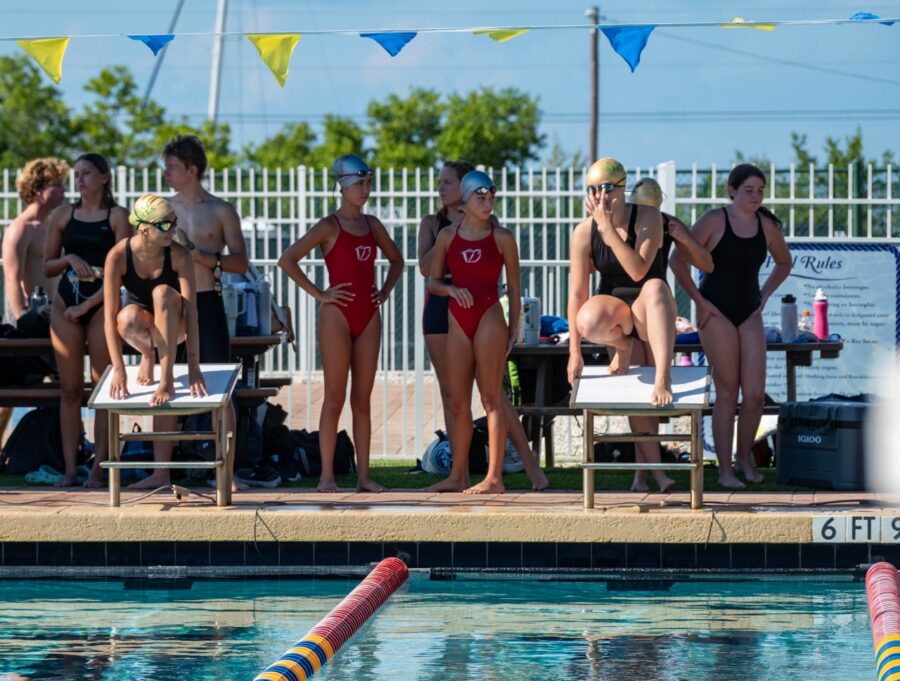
(692, 337)
(551, 325)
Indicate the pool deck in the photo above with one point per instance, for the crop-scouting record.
(285, 515)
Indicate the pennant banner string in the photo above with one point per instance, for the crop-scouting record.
(860, 20)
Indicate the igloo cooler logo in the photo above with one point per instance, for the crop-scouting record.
(809, 439)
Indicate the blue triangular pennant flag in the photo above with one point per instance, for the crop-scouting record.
(154, 42)
(391, 42)
(628, 42)
(862, 16)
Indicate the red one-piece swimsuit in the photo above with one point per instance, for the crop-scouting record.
(476, 266)
(352, 260)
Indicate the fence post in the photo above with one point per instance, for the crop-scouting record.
(303, 300)
(122, 185)
(665, 175)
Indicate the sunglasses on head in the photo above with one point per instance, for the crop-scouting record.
(603, 186)
(162, 225)
(484, 191)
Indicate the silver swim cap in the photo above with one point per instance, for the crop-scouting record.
(350, 169)
(473, 181)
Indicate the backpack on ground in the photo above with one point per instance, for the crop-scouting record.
(310, 456)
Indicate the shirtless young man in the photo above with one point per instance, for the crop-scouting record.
(213, 226)
(40, 186)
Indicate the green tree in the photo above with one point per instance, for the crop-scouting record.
(117, 123)
(288, 148)
(492, 127)
(339, 136)
(406, 131)
(34, 121)
(558, 157)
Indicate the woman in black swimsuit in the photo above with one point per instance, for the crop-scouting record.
(159, 311)
(79, 237)
(621, 241)
(729, 310)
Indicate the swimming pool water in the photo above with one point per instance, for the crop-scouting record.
(492, 629)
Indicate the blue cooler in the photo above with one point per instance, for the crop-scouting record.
(822, 444)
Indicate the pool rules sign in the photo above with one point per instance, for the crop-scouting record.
(856, 529)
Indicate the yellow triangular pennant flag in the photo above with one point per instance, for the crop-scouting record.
(48, 53)
(276, 50)
(737, 21)
(503, 35)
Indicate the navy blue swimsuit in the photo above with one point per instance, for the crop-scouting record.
(733, 285)
(614, 280)
(435, 315)
(140, 290)
(91, 241)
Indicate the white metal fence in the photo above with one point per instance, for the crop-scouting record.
(540, 205)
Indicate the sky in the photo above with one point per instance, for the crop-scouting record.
(698, 96)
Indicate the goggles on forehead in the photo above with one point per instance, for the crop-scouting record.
(358, 173)
(603, 186)
(162, 225)
(484, 191)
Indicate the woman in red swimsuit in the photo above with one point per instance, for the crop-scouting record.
(479, 340)
(349, 321)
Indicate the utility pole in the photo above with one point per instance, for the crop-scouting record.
(157, 63)
(212, 110)
(593, 15)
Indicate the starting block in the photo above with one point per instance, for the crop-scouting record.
(220, 381)
(599, 393)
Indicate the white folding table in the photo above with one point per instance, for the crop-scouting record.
(220, 381)
(599, 393)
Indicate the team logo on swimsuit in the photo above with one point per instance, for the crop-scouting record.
(471, 255)
(363, 253)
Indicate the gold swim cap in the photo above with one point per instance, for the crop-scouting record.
(647, 192)
(605, 170)
(149, 208)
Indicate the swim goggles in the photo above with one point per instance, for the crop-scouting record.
(484, 191)
(162, 225)
(358, 173)
(603, 186)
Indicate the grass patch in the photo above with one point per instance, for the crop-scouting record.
(395, 474)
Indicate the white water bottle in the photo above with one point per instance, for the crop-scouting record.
(789, 330)
(264, 305)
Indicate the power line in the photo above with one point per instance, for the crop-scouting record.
(622, 116)
(778, 60)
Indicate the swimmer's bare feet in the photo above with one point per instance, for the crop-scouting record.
(728, 479)
(539, 481)
(639, 485)
(95, 479)
(450, 484)
(164, 393)
(750, 472)
(145, 371)
(65, 481)
(487, 486)
(665, 483)
(368, 485)
(620, 361)
(662, 393)
(327, 485)
(159, 478)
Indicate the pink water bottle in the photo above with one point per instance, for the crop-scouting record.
(820, 310)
